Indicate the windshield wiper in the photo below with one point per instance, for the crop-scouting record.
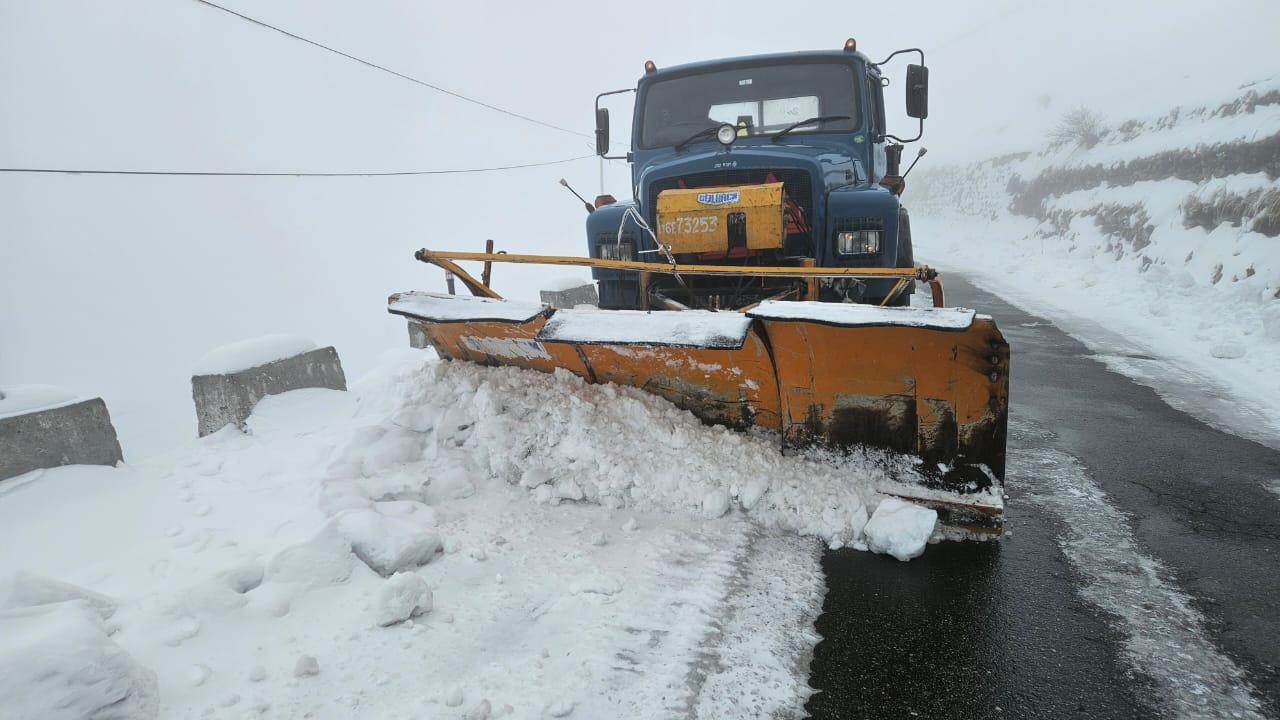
(810, 121)
(705, 131)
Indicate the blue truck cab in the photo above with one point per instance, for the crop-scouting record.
(812, 121)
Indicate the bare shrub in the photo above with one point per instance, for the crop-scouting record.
(1260, 206)
(1267, 219)
(1080, 127)
(1130, 223)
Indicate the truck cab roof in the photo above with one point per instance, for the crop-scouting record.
(702, 66)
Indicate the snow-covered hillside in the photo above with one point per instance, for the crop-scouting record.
(445, 540)
(1163, 233)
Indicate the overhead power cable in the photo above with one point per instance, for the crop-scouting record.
(401, 75)
(198, 173)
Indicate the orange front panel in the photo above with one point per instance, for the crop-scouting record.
(490, 342)
(734, 387)
(942, 394)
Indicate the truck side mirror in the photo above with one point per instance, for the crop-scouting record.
(602, 131)
(917, 91)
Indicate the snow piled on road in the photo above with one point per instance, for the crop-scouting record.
(564, 440)
(57, 662)
(446, 540)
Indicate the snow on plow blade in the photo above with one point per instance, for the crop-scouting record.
(918, 381)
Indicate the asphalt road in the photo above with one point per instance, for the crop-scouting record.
(1142, 577)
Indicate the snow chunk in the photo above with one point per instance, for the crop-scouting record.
(482, 711)
(688, 328)
(403, 595)
(389, 543)
(899, 528)
(533, 476)
(57, 662)
(454, 308)
(855, 315)
(306, 666)
(752, 491)
(715, 504)
(22, 399)
(251, 353)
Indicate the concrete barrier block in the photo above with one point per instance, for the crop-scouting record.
(228, 398)
(77, 433)
(570, 298)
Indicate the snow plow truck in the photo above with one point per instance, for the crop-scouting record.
(761, 276)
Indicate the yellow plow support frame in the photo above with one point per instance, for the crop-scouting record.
(445, 260)
(929, 382)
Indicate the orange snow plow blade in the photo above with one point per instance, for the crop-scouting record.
(924, 382)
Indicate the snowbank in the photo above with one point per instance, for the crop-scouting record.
(56, 661)
(444, 540)
(562, 439)
(245, 354)
(21, 399)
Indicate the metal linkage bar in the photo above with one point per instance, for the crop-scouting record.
(437, 257)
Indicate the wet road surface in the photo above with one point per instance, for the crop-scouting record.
(1142, 578)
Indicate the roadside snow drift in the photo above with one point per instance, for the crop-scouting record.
(446, 540)
(1160, 237)
(57, 661)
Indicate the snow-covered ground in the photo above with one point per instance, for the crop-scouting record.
(445, 540)
(1192, 311)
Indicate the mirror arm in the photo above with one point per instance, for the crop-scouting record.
(626, 157)
(899, 52)
(919, 134)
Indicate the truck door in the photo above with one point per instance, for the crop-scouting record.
(875, 113)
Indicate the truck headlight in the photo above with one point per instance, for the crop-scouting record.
(727, 134)
(858, 242)
(616, 251)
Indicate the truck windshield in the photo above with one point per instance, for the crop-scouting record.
(759, 100)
